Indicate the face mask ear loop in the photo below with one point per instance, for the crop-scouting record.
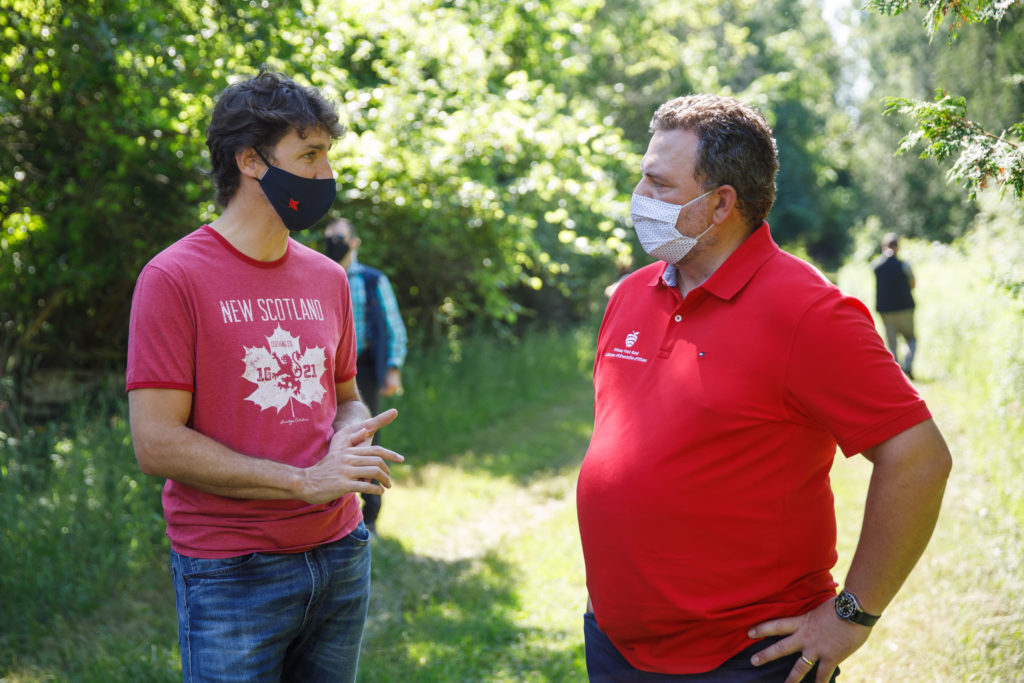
(269, 165)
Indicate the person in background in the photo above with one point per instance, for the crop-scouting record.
(726, 373)
(242, 395)
(380, 333)
(894, 301)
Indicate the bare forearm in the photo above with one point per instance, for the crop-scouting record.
(166, 447)
(900, 513)
(184, 455)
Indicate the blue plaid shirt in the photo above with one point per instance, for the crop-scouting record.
(396, 328)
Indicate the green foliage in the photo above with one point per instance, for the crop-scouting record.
(778, 56)
(79, 520)
(474, 182)
(498, 378)
(960, 12)
(981, 157)
(103, 108)
(492, 151)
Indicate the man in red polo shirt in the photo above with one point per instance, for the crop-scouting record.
(726, 374)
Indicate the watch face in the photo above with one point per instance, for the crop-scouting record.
(845, 605)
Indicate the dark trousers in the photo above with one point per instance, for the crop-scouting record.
(369, 390)
(605, 664)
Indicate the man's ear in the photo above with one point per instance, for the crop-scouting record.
(249, 163)
(726, 195)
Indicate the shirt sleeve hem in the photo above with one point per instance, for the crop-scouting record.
(885, 430)
(143, 384)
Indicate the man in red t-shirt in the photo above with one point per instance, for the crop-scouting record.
(726, 374)
(242, 395)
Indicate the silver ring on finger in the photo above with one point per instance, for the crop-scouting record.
(807, 661)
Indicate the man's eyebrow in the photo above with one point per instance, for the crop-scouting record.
(653, 175)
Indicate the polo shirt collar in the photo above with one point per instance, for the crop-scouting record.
(737, 270)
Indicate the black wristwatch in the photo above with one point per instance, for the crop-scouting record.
(849, 610)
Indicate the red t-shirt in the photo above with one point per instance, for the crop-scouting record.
(704, 500)
(260, 345)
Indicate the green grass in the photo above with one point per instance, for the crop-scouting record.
(477, 571)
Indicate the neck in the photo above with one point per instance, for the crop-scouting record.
(700, 265)
(253, 228)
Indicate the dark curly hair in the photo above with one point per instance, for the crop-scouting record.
(257, 113)
(736, 148)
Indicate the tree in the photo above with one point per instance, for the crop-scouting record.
(102, 119)
(946, 131)
(778, 56)
(493, 143)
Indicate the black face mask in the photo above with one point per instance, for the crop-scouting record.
(300, 202)
(337, 248)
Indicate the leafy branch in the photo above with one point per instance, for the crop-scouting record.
(962, 12)
(981, 157)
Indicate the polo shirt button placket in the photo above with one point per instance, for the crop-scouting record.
(669, 339)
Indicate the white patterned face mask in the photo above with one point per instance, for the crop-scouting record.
(655, 225)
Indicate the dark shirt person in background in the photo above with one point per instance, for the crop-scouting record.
(380, 333)
(894, 301)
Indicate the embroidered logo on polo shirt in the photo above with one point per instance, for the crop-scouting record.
(627, 353)
(284, 372)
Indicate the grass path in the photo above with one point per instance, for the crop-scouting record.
(478, 574)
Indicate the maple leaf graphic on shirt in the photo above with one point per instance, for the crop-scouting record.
(283, 372)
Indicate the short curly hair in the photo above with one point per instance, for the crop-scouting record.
(735, 148)
(257, 113)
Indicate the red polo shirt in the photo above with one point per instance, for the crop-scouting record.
(704, 501)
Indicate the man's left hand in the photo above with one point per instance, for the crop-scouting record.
(819, 636)
(392, 383)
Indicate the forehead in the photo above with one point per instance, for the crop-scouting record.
(671, 154)
(315, 139)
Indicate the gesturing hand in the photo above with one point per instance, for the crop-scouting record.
(361, 433)
(819, 636)
(352, 463)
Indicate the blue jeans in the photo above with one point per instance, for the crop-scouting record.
(605, 664)
(274, 617)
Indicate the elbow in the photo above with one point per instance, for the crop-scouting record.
(944, 464)
(146, 460)
(147, 454)
(937, 466)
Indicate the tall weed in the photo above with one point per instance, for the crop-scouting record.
(451, 392)
(78, 518)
